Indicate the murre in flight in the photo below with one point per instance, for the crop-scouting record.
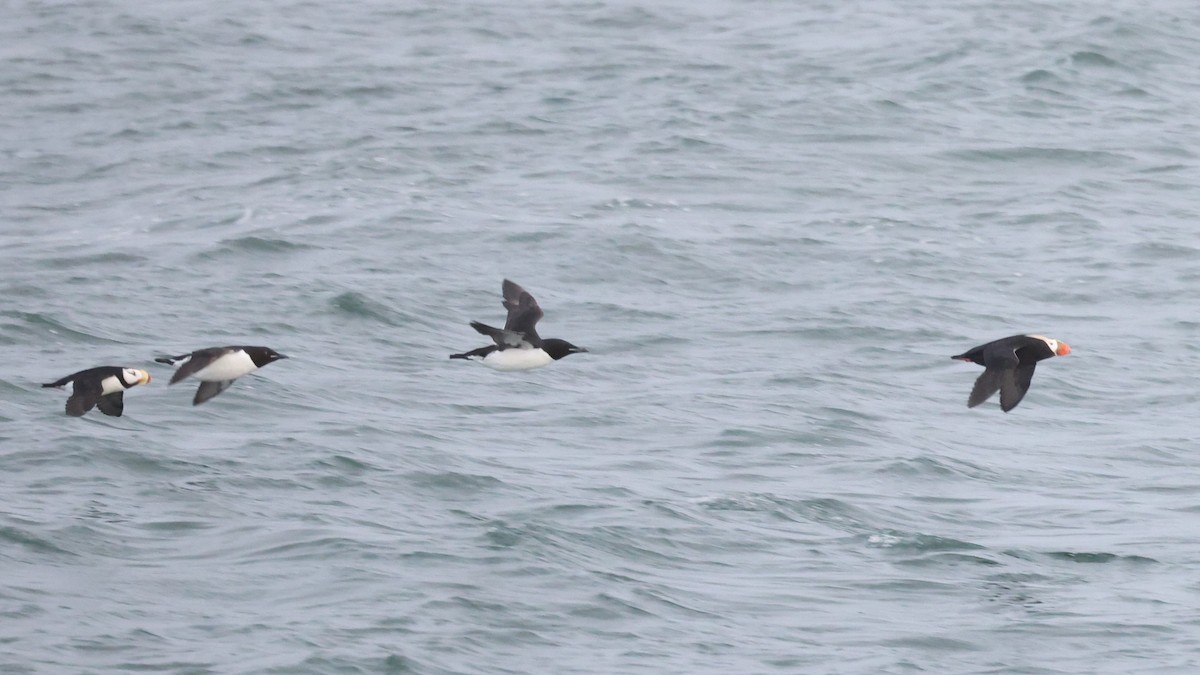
(218, 367)
(1009, 364)
(518, 346)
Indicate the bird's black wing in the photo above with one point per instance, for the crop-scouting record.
(112, 405)
(986, 385)
(198, 361)
(84, 395)
(523, 312)
(208, 390)
(507, 339)
(1014, 386)
(998, 362)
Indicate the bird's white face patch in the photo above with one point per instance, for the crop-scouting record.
(517, 359)
(135, 376)
(1050, 342)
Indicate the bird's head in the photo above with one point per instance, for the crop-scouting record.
(559, 348)
(263, 355)
(134, 376)
(1058, 347)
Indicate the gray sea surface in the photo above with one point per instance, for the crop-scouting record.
(770, 222)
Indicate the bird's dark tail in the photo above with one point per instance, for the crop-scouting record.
(481, 353)
(170, 360)
(59, 383)
(494, 333)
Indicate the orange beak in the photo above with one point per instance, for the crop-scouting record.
(145, 377)
(1063, 348)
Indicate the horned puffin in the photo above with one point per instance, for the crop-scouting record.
(103, 387)
(518, 346)
(1008, 366)
(218, 367)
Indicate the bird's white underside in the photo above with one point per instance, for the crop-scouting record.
(516, 359)
(227, 367)
(110, 385)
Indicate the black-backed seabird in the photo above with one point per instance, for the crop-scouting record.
(218, 367)
(101, 387)
(1009, 363)
(518, 346)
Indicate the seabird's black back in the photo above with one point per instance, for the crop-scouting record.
(518, 346)
(87, 390)
(1009, 364)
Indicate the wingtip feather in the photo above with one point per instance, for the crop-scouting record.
(985, 386)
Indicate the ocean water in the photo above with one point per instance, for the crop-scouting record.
(771, 224)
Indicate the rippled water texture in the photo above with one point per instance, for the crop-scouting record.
(771, 224)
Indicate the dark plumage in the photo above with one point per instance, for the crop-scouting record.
(518, 346)
(1008, 366)
(218, 367)
(102, 387)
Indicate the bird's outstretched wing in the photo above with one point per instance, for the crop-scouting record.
(83, 398)
(523, 312)
(507, 339)
(113, 404)
(999, 362)
(208, 390)
(986, 384)
(1014, 385)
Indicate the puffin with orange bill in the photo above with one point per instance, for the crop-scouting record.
(102, 387)
(1008, 366)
